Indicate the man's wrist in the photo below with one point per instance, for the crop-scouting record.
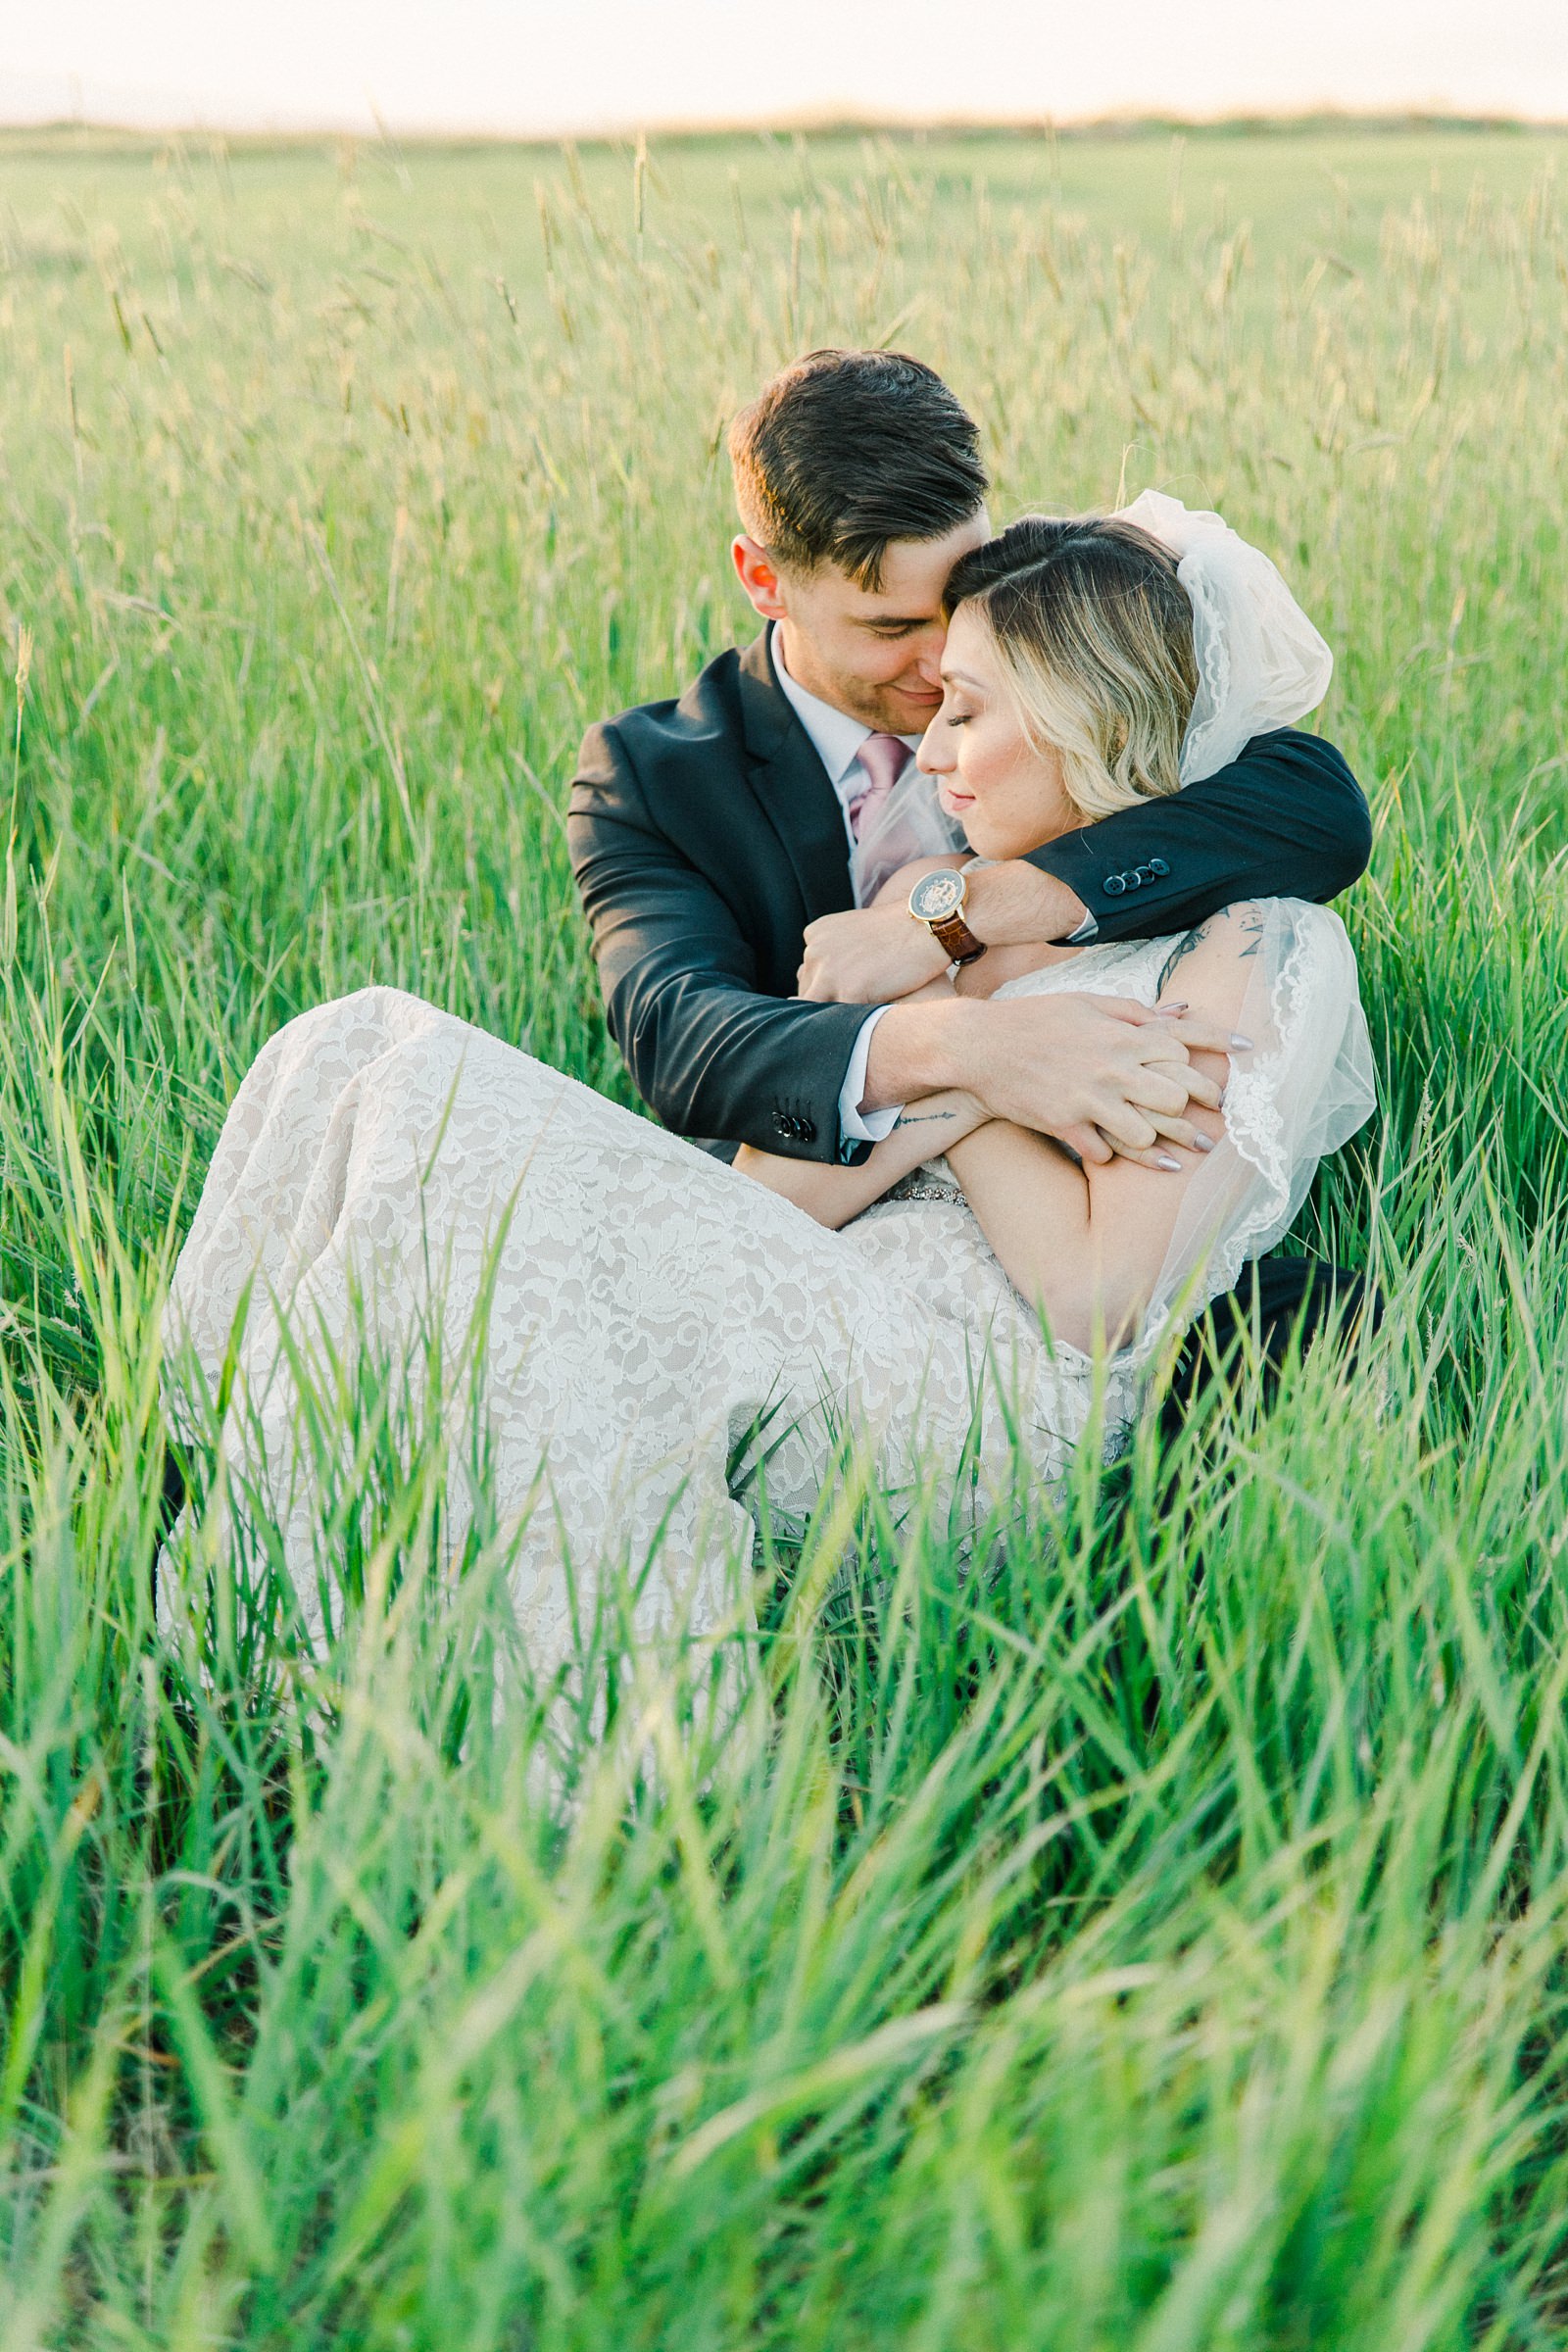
(921, 1049)
(1014, 905)
(949, 1041)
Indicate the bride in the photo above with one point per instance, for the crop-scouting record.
(657, 1335)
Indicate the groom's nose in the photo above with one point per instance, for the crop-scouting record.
(928, 662)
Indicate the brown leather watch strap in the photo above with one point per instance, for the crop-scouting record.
(956, 939)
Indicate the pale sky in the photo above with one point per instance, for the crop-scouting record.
(525, 66)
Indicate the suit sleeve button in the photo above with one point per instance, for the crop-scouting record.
(1115, 884)
(806, 1129)
(1158, 866)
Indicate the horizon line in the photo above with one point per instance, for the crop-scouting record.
(818, 122)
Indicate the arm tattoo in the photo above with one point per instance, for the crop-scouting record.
(924, 1118)
(1183, 948)
(1249, 921)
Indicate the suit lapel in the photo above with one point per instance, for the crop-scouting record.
(793, 787)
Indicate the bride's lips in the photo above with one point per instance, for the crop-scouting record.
(957, 803)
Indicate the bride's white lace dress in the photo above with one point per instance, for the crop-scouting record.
(638, 1306)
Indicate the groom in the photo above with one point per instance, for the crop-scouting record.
(710, 837)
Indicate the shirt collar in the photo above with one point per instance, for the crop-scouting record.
(836, 738)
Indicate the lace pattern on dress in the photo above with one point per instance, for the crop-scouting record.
(648, 1331)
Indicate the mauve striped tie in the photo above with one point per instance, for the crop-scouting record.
(884, 757)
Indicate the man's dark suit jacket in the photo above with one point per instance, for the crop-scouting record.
(705, 835)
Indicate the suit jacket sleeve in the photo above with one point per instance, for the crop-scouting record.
(715, 1058)
(1285, 820)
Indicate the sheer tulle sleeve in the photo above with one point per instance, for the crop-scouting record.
(1304, 1089)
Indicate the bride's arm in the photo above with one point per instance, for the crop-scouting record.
(1086, 1243)
(833, 1196)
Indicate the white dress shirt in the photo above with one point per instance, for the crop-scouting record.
(836, 739)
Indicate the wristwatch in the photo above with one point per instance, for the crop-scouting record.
(937, 900)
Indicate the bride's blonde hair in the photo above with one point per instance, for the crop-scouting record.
(1093, 634)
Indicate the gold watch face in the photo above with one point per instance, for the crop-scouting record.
(936, 896)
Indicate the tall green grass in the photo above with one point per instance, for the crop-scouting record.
(1155, 1944)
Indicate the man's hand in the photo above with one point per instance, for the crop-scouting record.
(1104, 1075)
(869, 958)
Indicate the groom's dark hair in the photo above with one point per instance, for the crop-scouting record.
(846, 450)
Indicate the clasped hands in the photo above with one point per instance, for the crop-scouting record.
(1104, 1075)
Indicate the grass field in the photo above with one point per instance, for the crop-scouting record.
(1161, 1946)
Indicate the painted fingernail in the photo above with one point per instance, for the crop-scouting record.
(1165, 1161)
(1203, 1143)
(1169, 1013)
(1242, 1045)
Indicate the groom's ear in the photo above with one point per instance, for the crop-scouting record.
(757, 575)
